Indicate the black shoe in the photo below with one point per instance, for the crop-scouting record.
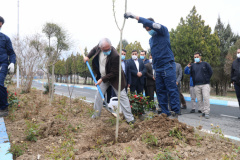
(131, 122)
(4, 113)
(199, 111)
(174, 115)
(192, 111)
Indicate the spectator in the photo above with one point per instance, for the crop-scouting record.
(7, 61)
(106, 63)
(163, 63)
(235, 76)
(179, 76)
(201, 73)
(192, 92)
(150, 80)
(137, 70)
(145, 61)
(126, 70)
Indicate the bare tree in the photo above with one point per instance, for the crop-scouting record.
(120, 66)
(57, 42)
(29, 58)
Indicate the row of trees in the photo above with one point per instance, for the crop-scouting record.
(218, 47)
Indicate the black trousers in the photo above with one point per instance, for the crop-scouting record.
(151, 90)
(137, 87)
(145, 88)
(237, 90)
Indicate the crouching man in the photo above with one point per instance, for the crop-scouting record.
(106, 63)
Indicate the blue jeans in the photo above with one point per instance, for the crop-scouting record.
(166, 85)
(3, 90)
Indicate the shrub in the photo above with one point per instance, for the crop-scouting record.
(139, 103)
(12, 99)
(46, 86)
(31, 131)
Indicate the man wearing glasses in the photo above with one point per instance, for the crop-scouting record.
(201, 73)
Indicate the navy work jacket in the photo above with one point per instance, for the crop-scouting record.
(159, 43)
(7, 54)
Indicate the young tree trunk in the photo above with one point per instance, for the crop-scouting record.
(78, 78)
(85, 80)
(71, 78)
(52, 87)
(217, 89)
(225, 89)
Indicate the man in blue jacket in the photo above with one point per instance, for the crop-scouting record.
(7, 61)
(201, 73)
(163, 63)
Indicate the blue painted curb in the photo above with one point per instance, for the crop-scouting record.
(4, 142)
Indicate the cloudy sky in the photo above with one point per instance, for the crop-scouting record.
(87, 21)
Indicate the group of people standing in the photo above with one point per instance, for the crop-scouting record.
(159, 73)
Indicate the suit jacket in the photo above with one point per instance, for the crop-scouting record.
(127, 72)
(111, 68)
(134, 71)
(178, 72)
(149, 75)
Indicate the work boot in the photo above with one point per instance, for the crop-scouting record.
(192, 111)
(174, 115)
(4, 112)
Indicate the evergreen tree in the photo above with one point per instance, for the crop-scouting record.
(227, 39)
(190, 36)
(133, 46)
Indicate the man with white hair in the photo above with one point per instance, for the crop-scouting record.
(106, 63)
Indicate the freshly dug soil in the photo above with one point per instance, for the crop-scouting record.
(65, 131)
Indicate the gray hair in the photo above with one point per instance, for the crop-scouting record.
(103, 41)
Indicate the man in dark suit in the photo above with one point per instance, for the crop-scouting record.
(138, 71)
(143, 56)
(126, 70)
(106, 63)
(150, 80)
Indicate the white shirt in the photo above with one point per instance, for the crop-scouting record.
(102, 63)
(137, 64)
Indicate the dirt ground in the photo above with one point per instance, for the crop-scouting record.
(63, 132)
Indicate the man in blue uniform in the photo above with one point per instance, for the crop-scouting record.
(7, 61)
(163, 63)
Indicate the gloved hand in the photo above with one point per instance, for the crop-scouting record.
(129, 15)
(11, 67)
